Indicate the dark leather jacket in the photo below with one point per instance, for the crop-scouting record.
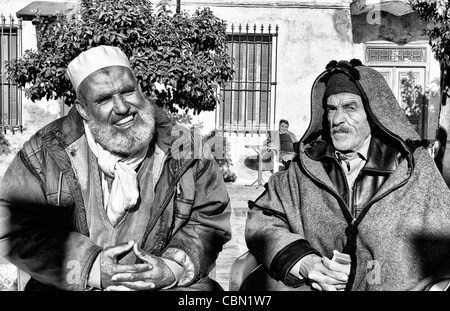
(382, 161)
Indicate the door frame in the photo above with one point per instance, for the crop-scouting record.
(392, 57)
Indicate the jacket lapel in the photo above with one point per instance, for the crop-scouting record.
(67, 130)
(310, 161)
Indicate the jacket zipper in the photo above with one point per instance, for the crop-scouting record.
(338, 197)
(342, 205)
(366, 208)
(59, 188)
(356, 220)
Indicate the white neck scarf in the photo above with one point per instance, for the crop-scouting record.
(124, 191)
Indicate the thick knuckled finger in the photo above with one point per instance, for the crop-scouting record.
(339, 277)
(321, 278)
(324, 287)
(335, 270)
(119, 249)
(142, 255)
(131, 277)
(328, 288)
(139, 285)
(137, 250)
(136, 268)
(316, 286)
(118, 288)
(335, 266)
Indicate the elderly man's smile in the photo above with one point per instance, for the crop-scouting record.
(125, 122)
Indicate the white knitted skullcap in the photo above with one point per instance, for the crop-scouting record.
(94, 59)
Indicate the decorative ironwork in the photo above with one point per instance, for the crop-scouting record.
(395, 55)
(247, 100)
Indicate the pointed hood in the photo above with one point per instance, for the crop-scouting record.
(382, 109)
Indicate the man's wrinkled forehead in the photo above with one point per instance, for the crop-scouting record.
(106, 82)
(344, 98)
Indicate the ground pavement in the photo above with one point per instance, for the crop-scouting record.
(239, 195)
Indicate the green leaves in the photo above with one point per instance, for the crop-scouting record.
(437, 12)
(187, 53)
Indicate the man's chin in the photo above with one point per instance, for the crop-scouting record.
(342, 143)
(122, 142)
(126, 147)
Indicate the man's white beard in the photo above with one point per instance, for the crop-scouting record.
(129, 141)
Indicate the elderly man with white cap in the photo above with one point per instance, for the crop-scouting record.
(99, 199)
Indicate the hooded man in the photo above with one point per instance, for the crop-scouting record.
(100, 199)
(361, 185)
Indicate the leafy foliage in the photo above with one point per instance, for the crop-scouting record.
(437, 13)
(412, 96)
(220, 147)
(4, 144)
(186, 53)
(224, 158)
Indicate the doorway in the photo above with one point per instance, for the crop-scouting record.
(405, 69)
(408, 86)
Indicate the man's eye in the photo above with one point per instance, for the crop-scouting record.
(128, 92)
(104, 101)
(330, 108)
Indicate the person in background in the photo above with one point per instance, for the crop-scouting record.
(99, 199)
(284, 141)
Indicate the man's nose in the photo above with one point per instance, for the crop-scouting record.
(339, 117)
(120, 105)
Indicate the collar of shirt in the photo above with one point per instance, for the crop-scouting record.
(362, 152)
(352, 166)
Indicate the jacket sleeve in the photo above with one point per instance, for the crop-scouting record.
(293, 137)
(208, 227)
(33, 236)
(268, 232)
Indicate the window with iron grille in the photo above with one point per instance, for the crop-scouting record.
(248, 101)
(10, 95)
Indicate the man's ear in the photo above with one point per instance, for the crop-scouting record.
(81, 109)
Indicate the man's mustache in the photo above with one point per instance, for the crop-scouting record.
(341, 130)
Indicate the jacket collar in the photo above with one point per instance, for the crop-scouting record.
(381, 158)
(71, 127)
